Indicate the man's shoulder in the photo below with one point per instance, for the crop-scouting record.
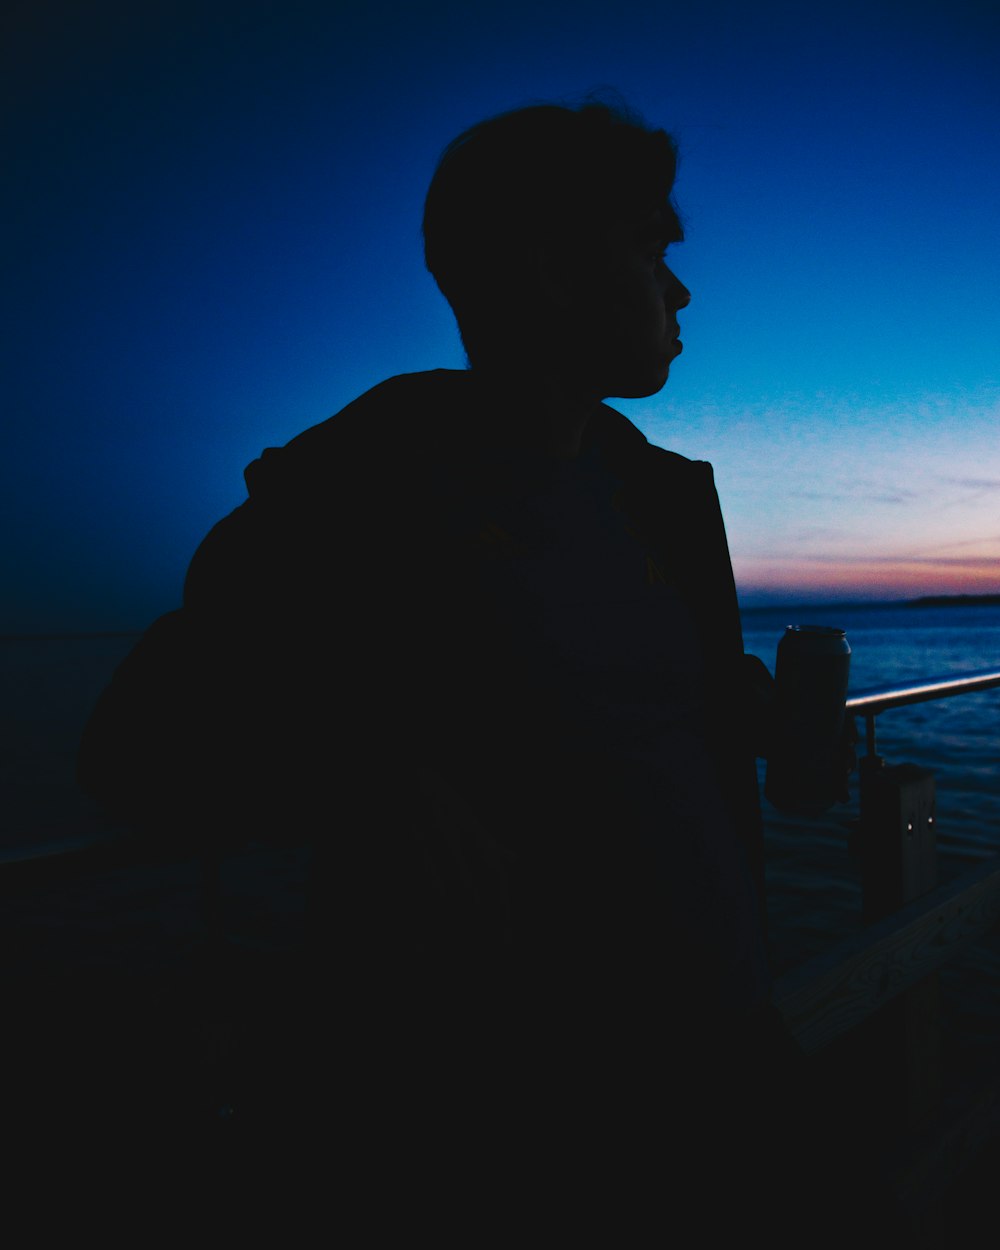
(360, 466)
(626, 442)
(408, 406)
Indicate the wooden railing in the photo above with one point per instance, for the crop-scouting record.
(823, 999)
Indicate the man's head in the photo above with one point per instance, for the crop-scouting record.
(545, 230)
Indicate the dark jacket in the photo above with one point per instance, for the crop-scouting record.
(328, 626)
(332, 678)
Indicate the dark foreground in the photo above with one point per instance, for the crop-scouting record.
(139, 1049)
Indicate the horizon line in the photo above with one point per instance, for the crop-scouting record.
(989, 598)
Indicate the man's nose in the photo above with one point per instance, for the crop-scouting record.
(679, 296)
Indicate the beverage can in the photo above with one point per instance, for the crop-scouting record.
(811, 674)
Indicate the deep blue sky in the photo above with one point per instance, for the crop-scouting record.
(213, 242)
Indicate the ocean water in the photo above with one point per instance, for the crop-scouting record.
(958, 738)
(48, 686)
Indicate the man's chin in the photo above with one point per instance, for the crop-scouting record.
(641, 387)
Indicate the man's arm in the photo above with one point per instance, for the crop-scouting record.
(760, 703)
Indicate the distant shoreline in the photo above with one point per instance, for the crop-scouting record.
(925, 601)
(953, 601)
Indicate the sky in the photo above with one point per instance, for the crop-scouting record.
(212, 242)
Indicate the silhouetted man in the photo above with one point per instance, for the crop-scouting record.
(477, 640)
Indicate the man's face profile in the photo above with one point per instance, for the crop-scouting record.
(625, 332)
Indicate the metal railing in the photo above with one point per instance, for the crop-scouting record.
(893, 821)
(896, 840)
(868, 703)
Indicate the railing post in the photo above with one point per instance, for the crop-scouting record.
(899, 864)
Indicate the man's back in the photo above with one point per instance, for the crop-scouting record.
(394, 653)
(402, 596)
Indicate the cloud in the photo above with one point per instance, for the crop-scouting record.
(975, 483)
(974, 488)
(968, 542)
(854, 496)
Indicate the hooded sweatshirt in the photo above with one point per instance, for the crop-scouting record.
(502, 696)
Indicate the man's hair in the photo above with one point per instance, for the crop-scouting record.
(547, 176)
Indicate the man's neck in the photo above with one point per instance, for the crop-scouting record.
(539, 412)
